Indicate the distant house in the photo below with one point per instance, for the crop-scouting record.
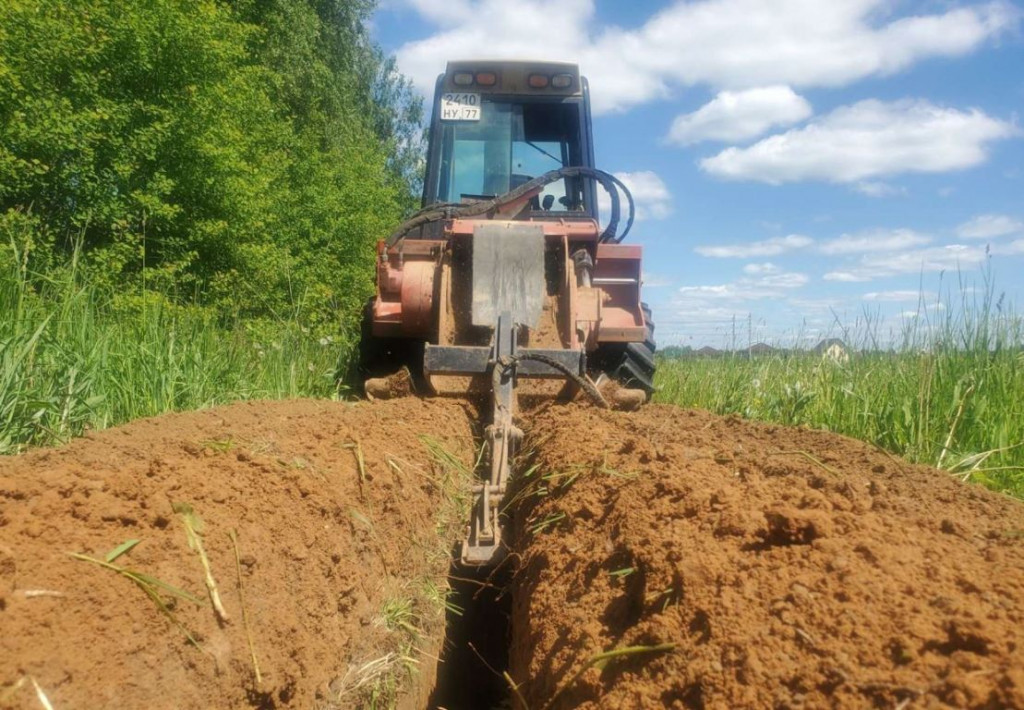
(708, 351)
(760, 349)
(833, 350)
(822, 347)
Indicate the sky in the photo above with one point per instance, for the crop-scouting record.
(800, 166)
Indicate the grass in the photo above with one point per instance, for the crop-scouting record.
(152, 587)
(948, 391)
(414, 610)
(74, 358)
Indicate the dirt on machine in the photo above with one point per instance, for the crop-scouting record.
(506, 286)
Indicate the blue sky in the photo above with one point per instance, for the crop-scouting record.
(797, 163)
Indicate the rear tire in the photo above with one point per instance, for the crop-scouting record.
(632, 364)
(380, 357)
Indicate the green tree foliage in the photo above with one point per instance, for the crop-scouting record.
(243, 156)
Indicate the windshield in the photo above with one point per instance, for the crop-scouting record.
(509, 145)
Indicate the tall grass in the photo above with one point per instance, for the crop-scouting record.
(948, 392)
(74, 358)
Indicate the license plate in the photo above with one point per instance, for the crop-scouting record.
(460, 107)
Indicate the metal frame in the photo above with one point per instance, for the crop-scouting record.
(506, 363)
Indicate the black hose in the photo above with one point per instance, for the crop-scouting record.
(452, 210)
(583, 383)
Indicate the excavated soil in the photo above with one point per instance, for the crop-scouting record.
(339, 558)
(734, 564)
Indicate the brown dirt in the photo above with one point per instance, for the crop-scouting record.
(789, 568)
(322, 548)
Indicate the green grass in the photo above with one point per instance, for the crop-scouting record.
(949, 392)
(73, 358)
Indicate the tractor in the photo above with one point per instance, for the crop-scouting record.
(505, 285)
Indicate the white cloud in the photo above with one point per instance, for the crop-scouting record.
(650, 194)
(988, 226)
(657, 281)
(747, 289)
(942, 258)
(874, 241)
(1011, 249)
(767, 247)
(739, 115)
(897, 296)
(729, 44)
(761, 269)
(879, 189)
(437, 10)
(866, 140)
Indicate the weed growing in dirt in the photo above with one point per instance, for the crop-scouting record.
(600, 661)
(949, 392)
(378, 682)
(151, 586)
(416, 609)
(453, 477)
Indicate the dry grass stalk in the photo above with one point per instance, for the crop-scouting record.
(602, 659)
(194, 530)
(807, 456)
(43, 700)
(245, 616)
(37, 593)
(515, 690)
(147, 583)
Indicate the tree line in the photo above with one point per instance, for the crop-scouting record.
(239, 157)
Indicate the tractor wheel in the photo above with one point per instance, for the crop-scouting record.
(382, 357)
(631, 365)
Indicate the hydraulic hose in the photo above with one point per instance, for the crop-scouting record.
(453, 210)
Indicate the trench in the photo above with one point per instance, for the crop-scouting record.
(477, 638)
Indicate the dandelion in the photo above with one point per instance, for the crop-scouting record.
(324, 342)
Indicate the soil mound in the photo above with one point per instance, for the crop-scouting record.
(735, 564)
(336, 508)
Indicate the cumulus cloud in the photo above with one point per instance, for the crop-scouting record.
(866, 140)
(767, 247)
(914, 261)
(650, 194)
(878, 240)
(879, 189)
(897, 296)
(727, 44)
(989, 226)
(739, 115)
(774, 285)
(761, 269)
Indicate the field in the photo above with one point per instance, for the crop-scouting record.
(949, 394)
(654, 554)
(294, 555)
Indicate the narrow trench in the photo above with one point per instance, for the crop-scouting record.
(478, 634)
(477, 637)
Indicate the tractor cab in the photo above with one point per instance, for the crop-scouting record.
(498, 124)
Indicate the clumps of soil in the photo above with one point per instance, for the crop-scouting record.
(336, 510)
(737, 564)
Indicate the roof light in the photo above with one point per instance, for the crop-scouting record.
(538, 81)
(486, 78)
(462, 78)
(561, 81)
